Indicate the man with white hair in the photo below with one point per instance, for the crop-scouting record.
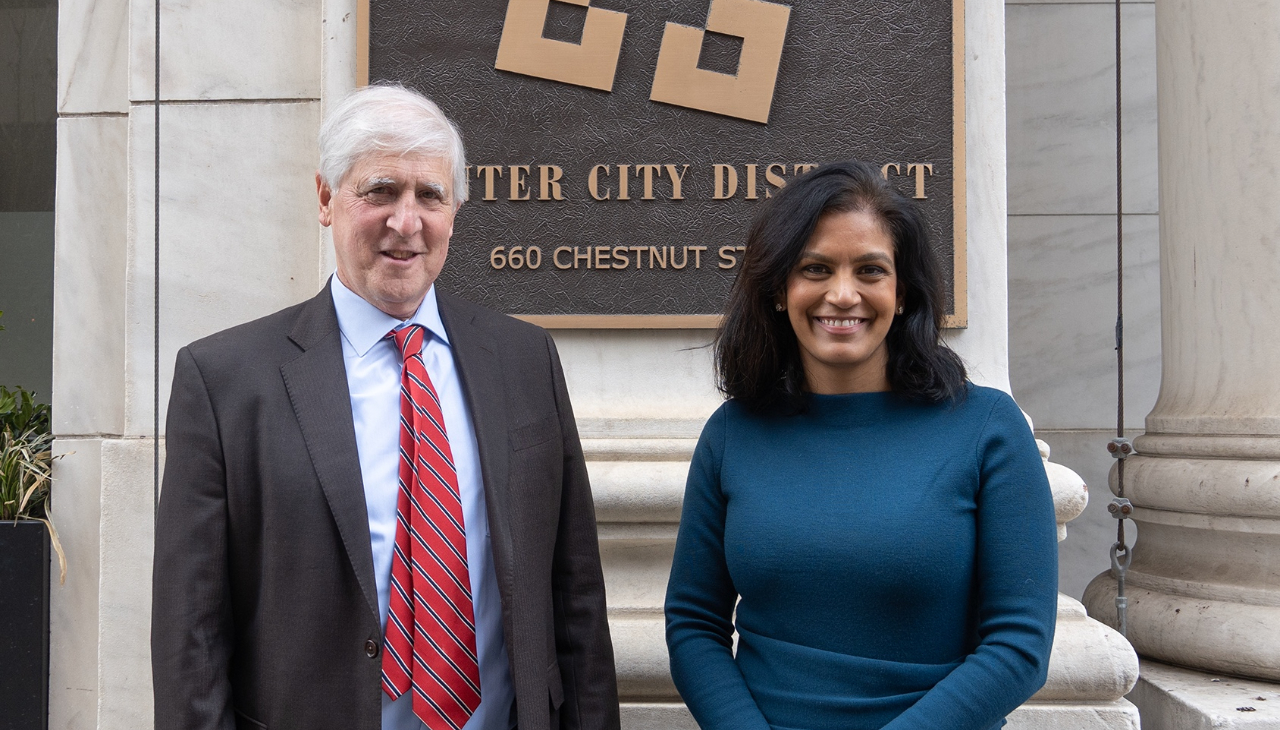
(375, 512)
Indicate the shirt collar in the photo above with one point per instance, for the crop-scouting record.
(364, 325)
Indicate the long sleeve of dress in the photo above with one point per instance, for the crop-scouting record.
(701, 598)
(1017, 576)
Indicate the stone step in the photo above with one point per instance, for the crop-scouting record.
(1173, 698)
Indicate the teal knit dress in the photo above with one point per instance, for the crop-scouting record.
(893, 564)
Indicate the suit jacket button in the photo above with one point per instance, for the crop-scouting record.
(371, 648)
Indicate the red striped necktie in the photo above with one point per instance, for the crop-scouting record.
(430, 642)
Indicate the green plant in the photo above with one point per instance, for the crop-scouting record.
(26, 453)
(26, 463)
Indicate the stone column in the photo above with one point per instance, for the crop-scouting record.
(1204, 586)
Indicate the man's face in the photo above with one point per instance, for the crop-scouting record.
(392, 217)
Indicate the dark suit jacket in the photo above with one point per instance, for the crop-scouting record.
(264, 609)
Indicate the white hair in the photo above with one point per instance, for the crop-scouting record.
(389, 119)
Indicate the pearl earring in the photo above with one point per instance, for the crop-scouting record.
(779, 307)
(901, 309)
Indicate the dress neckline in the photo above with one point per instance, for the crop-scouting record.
(851, 408)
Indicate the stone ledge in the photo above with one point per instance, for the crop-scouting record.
(656, 716)
(1115, 715)
(638, 491)
(638, 449)
(1173, 698)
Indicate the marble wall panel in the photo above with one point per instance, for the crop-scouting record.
(237, 222)
(1061, 96)
(620, 374)
(124, 643)
(1062, 293)
(1061, 109)
(89, 275)
(73, 610)
(1138, 82)
(232, 49)
(93, 56)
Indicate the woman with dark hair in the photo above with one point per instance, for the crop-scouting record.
(878, 531)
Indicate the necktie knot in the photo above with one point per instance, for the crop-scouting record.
(409, 339)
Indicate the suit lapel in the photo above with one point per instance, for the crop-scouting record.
(317, 384)
(485, 389)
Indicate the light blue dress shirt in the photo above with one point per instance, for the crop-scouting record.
(373, 379)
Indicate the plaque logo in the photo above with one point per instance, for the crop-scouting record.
(761, 25)
(591, 63)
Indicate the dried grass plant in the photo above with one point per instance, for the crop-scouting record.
(26, 464)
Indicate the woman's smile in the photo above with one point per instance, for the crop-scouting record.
(840, 326)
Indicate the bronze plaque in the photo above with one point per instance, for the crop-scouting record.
(618, 149)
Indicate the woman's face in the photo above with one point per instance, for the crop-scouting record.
(840, 298)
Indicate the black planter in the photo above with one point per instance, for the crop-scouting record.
(24, 626)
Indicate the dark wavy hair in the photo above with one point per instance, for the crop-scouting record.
(756, 351)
